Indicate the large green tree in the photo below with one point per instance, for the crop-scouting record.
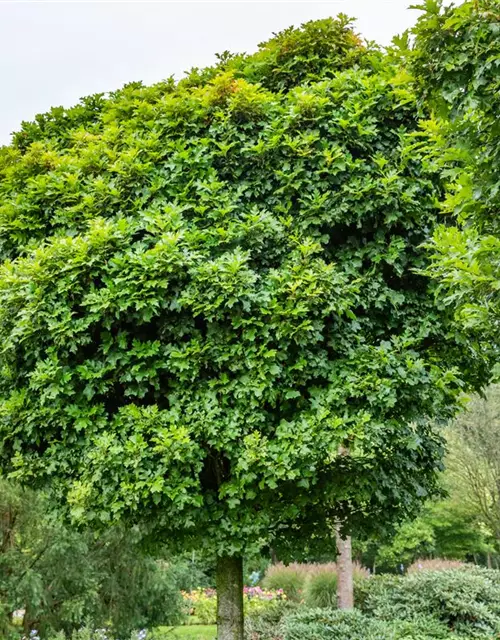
(209, 289)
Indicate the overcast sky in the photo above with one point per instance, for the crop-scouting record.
(52, 53)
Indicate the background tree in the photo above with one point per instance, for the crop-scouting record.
(445, 529)
(464, 525)
(207, 288)
(474, 460)
(63, 579)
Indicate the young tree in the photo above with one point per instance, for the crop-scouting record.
(209, 288)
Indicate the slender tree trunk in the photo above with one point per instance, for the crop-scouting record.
(274, 557)
(229, 582)
(345, 584)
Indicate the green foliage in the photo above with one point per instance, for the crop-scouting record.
(202, 607)
(317, 51)
(473, 461)
(321, 624)
(190, 571)
(457, 527)
(321, 589)
(414, 539)
(321, 584)
(198, 632)
(314, 584)
(448, 528)
(207, 289)
(466, 600)
(456, 63)
(62, 578)
(466, 524)
(87, 633)
(290, 578)
(266, 625)
(201, 604)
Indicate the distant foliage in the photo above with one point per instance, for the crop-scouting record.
(200, 605)
(267, 625)
(321, 584)
(321, 588)
(62, 578)
(87, 633)
(474, 462)
(434, 564)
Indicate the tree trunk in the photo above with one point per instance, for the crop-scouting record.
(274, 557)
(229, 582)
(345, 585)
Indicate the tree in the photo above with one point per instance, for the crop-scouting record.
(445, 529)
(456, 62)
(465, 524)
(208, 288)
(474, 462)
(62, 578)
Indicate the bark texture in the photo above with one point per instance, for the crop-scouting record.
(345, 583)
(229, 581)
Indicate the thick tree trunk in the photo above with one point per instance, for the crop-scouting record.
(345, 584)
(229, 582)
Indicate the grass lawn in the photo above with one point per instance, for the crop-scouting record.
(194, 632)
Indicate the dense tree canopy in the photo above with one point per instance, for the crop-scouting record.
(207, 289)
(456, 63)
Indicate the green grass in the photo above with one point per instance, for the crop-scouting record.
(193, 632)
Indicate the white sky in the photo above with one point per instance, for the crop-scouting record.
(52, 53)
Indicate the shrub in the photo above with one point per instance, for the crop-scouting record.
(321, 588)
(290, 578)
(331, 624)
(466, 600)
(267, 624)
(434, 564)
(321, 584)
(201, 604)
(257, 600)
